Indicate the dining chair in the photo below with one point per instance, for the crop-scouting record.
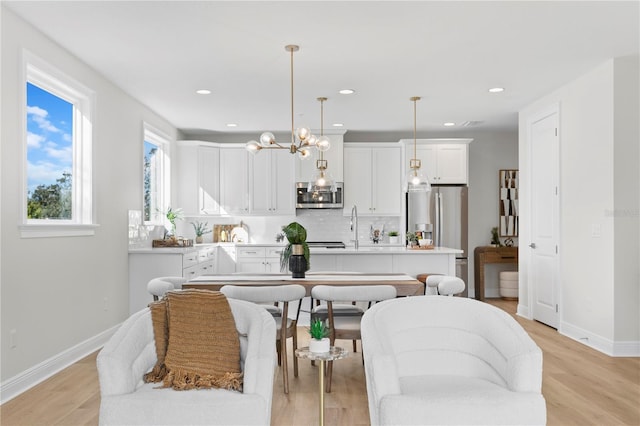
(347, 327)
(275, 299)
(157, 287)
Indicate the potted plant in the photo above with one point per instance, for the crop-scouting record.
(172, 216)
(319, 332)
(296, 253)
(495, 239)
(200, 229)
(412, 239)
(393, 237)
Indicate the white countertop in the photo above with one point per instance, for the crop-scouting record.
(363, 249)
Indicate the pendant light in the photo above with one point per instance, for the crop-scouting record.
(416, 181)
(305, 140)
(322, 178)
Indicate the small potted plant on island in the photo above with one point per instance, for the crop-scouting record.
(319, 332)
(296, 253)
(200, 229)
(412, 239)
(393, 237)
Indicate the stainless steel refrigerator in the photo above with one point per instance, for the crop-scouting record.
(443, 214)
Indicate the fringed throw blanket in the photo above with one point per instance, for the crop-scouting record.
(197, 343)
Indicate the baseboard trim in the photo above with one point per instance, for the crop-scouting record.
(29, 378)
(599, 343)
(523, 311)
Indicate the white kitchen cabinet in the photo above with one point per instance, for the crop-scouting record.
(258, 259)
(373, 179)
(444, 161)
(198, 178)
(234, 182)
(226, 258)
(305, 169)
(146, 264)
(272, 183)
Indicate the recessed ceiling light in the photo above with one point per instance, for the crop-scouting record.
(203, 92)
(232, 125)
(449, 124)
(347, 91)
(337, 124)
(496, 89)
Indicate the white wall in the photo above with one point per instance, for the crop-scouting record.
(598, 275)
(60, 292)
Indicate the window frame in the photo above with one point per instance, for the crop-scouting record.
(83, 222)
(160, 139)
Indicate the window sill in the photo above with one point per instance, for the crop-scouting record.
(47, 230)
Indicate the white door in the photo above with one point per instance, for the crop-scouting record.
(544, 168)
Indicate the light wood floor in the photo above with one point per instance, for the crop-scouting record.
(581, 387)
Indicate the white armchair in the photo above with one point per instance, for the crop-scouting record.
(449, 360)
(126, 400)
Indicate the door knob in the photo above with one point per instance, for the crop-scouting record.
(532, 245)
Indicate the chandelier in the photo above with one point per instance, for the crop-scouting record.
(416, 181)
(322, 178)
(301, 139)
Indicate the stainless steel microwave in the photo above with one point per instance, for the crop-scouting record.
(322, 199)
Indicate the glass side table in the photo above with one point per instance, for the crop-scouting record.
(334, 354)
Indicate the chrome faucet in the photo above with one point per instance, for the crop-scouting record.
(354, 214)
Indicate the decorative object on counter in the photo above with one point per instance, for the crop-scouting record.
(173, 215)
(305, 139)
(280, 236)
(295, 254)
(495, 239)
(321, 178)
(508, 203)
(172, 243)
(319, 332)
(393, 237)
(239, 234)
(412, 239)
(222, 233)
(416, 181)
(376, 233)
(200, 229)
(509, 242)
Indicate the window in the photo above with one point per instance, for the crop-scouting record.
(156, 189)
(57, 184)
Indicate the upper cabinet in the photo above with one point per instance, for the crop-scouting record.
(199, 179)
(306, 168)
(272, 184)
(373, 179)
(444, 161)
(234, 180)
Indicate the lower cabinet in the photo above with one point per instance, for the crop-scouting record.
(145, 265)
(258, 259)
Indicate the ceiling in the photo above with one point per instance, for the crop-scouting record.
(448, 52)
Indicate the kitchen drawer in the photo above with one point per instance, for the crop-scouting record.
(206, 254)
(191, 272)
(244, 252)
(189, 259)
(273, 251)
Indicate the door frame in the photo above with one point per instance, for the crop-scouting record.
(535, 116)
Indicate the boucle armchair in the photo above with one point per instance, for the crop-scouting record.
(449, 360)
(126, 400)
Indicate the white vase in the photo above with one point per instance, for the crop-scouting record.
(394, 240)
(319, 346)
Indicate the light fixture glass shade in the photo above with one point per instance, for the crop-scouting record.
(312, 140)
(323, 144)
(253, 147)
(417, 182)
(267, 138)
(303, 133)
(321, 181)
(304, 153)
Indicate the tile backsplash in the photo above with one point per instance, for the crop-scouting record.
(321, 225)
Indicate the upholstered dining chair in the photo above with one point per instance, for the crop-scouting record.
(276, 300)
(443, 285)
(157, 287)
(347, 327)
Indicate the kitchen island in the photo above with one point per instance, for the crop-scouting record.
(225, 258)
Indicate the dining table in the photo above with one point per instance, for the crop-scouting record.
(405, 285)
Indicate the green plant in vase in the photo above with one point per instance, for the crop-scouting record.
(200, 228)
(319, 336)
(296, 250)
(173, 215)
(495, 239)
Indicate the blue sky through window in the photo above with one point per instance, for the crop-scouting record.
(49, 137)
